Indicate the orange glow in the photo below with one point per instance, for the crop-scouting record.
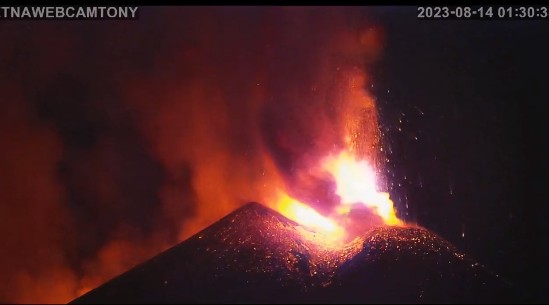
(309, 218)
(214, 116)
(356, 183)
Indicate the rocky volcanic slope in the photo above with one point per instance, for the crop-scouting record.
(257, 255)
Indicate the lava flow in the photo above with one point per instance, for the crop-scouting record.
(357, 189)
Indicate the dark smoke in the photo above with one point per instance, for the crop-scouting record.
(119, 139)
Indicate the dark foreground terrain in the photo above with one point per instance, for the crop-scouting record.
(257, 255)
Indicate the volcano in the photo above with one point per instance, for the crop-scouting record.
(256, 255)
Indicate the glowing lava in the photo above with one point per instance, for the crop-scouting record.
(309, 218)
(355, 184)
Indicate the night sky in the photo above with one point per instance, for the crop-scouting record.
(119, 139)
(472, 93)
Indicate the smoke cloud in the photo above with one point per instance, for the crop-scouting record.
(120, 139)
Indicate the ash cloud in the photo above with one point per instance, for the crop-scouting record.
(120, 139)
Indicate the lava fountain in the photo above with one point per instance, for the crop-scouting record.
(361, 204)
(357, 189)
(347, 161)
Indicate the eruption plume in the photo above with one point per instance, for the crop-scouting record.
(122, 139)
